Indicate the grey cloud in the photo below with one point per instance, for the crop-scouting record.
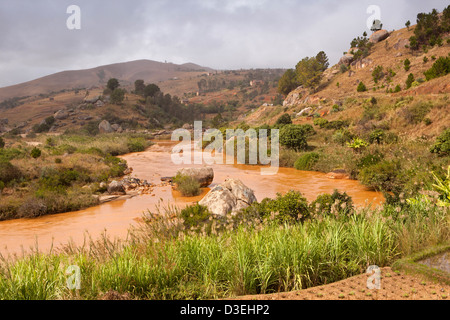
(34, 40)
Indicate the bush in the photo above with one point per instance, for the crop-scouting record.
(136, 145)
(293, 137)
(9, 172)
(377, 135)
(397, 88)
(187, 185)
(306, 161)
(357, 144)
(409, 81)
(439, 69)
(284, 119)
(442, 145)
(342, 136)
(288, 208)
(407, 64)
(370, 160)
(321, 122)
(383, 176)
(361, 87)
(336, 204)
(2, 143)
(416, 113)
(195, 215)
(35, 153)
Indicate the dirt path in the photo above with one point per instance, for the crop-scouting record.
(394, 286)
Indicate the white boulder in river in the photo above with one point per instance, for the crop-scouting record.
(228, 197)
(204, 175)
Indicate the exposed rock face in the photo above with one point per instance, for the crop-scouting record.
(378, 36)
(105, 127)
(116, 188)
(228, 197)
(362, 63)
(346, 59)
(204, 176)
(61, 115)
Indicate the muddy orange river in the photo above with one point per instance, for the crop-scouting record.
(115, 218)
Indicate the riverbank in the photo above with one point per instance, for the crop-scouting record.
(163, 260)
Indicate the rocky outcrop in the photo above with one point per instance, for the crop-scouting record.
(116, 188)
(105, 127)
(61, 115)
(378, 36)
(346, 59)
(204, 175)
(228, 197)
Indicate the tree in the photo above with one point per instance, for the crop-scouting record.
(323, 60)
(440, 68)
(293, 137)
(117, 96)
(309, 72)
(361, 87)
(112, 84)
(409, 81)
(288, 82)
(151, 90)
(407, 64)
(139, 87)
(408, 24)
(284, 119)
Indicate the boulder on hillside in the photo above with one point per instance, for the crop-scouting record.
(116, 188)
(105, 127)
(61, 115)
(228, 197)
(204, 175)
(378, 36)
(346, 59)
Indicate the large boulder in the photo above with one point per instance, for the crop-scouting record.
(61, 115)
(105, 127)
(228, 197)
(204, 175)
(346, 59)
(116, 188)
(378, 36)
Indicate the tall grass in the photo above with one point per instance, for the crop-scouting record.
(254, 257)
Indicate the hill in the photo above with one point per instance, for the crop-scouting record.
(127, 72)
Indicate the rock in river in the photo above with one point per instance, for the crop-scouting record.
(228, 197)
(204, 175)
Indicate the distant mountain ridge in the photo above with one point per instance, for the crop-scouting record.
(127, 72)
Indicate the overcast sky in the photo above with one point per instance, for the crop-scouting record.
(221, 34)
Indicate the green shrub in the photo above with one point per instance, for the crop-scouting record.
(342, 136)
(361, 87)
(187, 185)
(410, 81)
(357, 144)
(369, 160)
(321, 122)
(288, 208)
(306, 161)
(336, 204)
(293, 137)
(284, 119)
(407, 64)
(9, 172)
(377, 135)
(195, 215)
(136, 145)
(416, 113)
(35, 153)
(377, 73)
(384, 176)
(397, 88)
(440, 68)
(442, 145)
(2, 143)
